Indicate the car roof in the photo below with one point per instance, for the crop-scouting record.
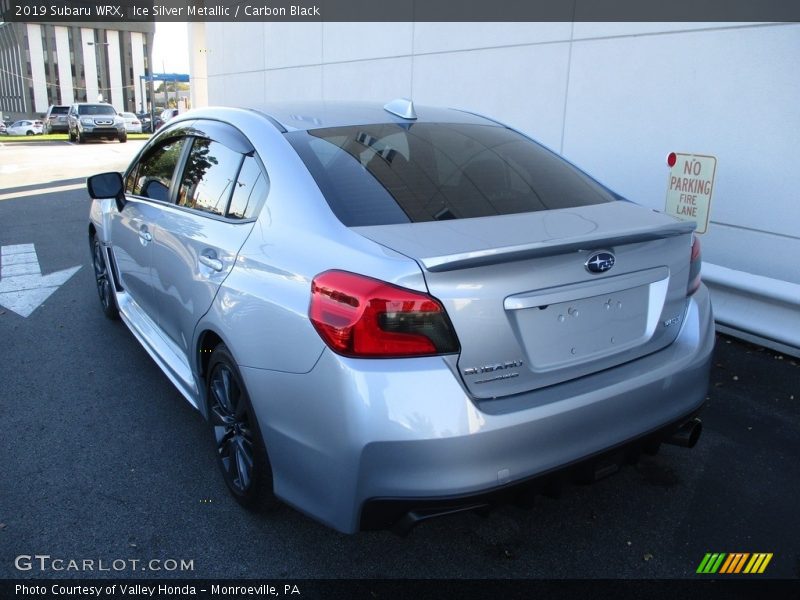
(314, 115)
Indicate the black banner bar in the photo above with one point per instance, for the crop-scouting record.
(182, 589)
(65, 11)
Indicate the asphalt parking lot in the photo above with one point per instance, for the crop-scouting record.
(102, 459)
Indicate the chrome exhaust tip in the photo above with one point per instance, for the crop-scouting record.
(687, 434)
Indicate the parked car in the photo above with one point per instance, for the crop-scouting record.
(390, 313)
(25, 127)
(147, 122)
(132, 122)
(166, 115)
(55, 121)
(95, 120)
(3, 127)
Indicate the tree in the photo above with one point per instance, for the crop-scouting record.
(172, 86)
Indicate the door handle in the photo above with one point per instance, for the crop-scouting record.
(209, 259)
(145, 235)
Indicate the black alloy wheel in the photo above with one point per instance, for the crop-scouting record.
(240, 451)
(103, 278)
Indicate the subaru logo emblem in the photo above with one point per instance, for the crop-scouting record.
(600, 262)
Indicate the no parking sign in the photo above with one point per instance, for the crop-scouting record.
(689, 187)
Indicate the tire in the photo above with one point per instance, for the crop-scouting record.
(104, 280)
(239, 447)
(123, 138)
(29, 132)
(81, 138)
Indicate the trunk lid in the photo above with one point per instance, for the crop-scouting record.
(528, 312)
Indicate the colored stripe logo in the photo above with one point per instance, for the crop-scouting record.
(734, 563)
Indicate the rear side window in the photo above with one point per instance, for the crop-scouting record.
(250, 191)
(399, 173)
(152, 177)
(59, 110)
(209, 177)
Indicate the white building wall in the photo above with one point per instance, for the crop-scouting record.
(137, 51)
(37, 68)
(115, 70)
(615, 98)
(67, 95)
(89, 64)
(198, 64)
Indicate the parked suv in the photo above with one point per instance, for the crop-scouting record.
(56, 119)
(88, 120)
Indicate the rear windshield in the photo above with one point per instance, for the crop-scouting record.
(59, 110)
(390, 173)
(96, 109)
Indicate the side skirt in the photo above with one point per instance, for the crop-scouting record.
(172, 361)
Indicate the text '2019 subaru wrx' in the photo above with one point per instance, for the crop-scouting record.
(390, 313)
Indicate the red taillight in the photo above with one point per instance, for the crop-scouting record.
(365, 317)
(134, 122)
(694, 267)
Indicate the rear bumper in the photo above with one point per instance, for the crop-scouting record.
(351, 434)
(401, 514)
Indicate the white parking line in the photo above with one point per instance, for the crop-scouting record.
(50, 190)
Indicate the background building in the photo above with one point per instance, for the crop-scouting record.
(44, 63)
(615, 98)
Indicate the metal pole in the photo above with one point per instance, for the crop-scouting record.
(152, 104)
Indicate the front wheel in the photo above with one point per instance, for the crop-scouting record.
(102, 276)
(241, 455)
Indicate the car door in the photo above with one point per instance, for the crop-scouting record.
(198, 239)
(148, 185)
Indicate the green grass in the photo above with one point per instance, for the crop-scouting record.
(58, 137)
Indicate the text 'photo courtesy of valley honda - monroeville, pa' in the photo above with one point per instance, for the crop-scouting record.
(390, 313)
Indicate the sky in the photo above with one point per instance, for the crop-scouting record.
(171, 48)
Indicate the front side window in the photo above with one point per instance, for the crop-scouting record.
(152, 177)
(209, 177)
(389, 173)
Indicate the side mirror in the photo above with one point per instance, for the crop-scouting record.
(107, 185)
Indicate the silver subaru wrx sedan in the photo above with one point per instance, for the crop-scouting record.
(387, 313)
